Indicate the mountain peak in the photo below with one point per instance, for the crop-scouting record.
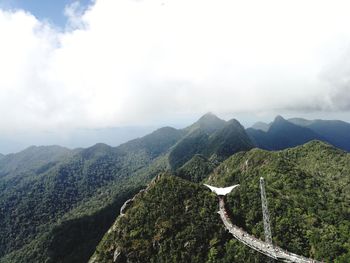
(279, 118)
(209, 123)
(208, 117)
(235, 123)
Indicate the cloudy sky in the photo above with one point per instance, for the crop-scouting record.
(108, 63)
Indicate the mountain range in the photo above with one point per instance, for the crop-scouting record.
(50, 194)
(282, 133)
(57, 204)
(15, 141)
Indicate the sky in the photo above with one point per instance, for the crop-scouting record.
(48, 11)
(70, 65)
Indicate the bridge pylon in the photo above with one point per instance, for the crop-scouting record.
(266, 215)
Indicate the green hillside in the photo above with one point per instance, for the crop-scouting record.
(196, 169)
(308, 190)
(33, 160)
(38, 206)
(173, 221)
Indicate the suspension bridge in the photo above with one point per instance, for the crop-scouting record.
(264, 247)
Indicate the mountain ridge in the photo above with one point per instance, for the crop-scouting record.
(282, 134)
(335, 132)
(203, 139)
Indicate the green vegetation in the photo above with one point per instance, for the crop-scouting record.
(33, 160)
(43, 202)
(174, 221)
(196, 169)
(308, 190)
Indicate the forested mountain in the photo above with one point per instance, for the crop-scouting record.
(174, 220)
(212, 138)
(281, 133)
(32, 159)
(335, 132)
(39, 206)
(56, 204)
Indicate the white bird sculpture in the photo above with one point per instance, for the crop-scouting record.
(221, 191)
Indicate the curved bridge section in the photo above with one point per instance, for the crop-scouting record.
(267, 249)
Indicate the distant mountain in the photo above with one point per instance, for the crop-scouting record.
(175, 220)
(55, 203)
(335, 132)
(114, 136)
(156, 143)
(33, 159)
(211, 137)
(261, 126)
(283, 134)
(208, 123)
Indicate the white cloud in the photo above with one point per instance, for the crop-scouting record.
(142, 61)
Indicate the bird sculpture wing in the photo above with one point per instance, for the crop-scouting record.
(221, 191)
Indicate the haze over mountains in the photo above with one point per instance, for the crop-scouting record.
(17, 141)
(334, 131)
(56, 204)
